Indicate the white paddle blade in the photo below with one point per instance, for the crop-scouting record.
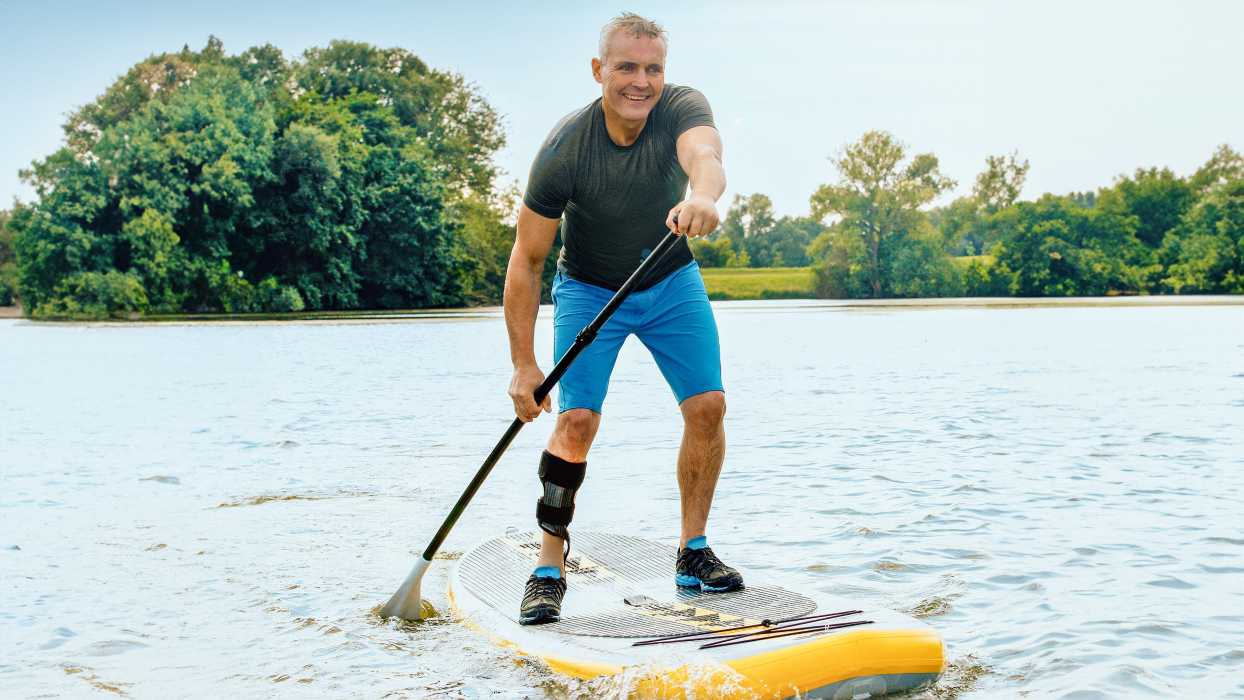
(406, 603)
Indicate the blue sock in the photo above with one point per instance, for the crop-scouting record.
(697, 542)
(548, 572)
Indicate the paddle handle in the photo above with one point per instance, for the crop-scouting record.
(581, 341)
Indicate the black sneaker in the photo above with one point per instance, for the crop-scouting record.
(700, 568)
(542, 601)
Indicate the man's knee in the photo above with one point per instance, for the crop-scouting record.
(705, 410)
(572, 437)
(576, 423)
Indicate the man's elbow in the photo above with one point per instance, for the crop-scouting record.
(525, 260)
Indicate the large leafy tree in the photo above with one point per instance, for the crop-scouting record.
(749, 215)
(448, 113)
(159, 197)
(1055, 247)
(965, 222)
(355, 215)
(784, 244)
(753, 236)
(204, 181)
(1000, 184)
(883, 245)
(1206, 250)
(1158, 198)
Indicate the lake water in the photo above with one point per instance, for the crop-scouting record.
(205, 511)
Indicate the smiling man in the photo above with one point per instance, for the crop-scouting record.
(617, 171)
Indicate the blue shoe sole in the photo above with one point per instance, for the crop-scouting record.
(688, 581)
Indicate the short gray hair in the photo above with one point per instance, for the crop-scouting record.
(631, 24)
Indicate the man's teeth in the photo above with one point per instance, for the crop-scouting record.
(635, 98)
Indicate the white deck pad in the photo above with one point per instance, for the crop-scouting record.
(602, 572)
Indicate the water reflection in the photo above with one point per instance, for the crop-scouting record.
(196, 510)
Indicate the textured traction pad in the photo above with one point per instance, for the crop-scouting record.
(602, 571)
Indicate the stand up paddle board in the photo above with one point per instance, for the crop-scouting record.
(623, 611)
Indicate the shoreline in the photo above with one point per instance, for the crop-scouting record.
(751, 305)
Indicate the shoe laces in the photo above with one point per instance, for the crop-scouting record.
(545, 586)
(703, 561)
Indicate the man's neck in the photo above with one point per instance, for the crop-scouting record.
(621, 131)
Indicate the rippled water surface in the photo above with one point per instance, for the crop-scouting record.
(213, 510)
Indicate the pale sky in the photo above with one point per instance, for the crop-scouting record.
(1084, 90)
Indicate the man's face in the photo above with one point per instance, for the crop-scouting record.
(634, 76)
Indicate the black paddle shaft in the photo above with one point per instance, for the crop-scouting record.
(581, 341)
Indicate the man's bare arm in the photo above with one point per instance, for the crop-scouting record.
(522, 303)
(699, 153)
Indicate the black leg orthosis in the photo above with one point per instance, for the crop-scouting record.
(561, 480)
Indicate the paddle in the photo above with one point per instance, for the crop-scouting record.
(406, 603)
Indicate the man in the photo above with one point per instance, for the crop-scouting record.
(617, 170)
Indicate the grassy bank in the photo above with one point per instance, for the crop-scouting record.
(740, 283)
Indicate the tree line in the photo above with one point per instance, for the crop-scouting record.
(354, 177)
(351, 177)
(871, 236)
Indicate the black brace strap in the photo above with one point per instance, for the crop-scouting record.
(568, 475)
(552, 515)
(561, 480)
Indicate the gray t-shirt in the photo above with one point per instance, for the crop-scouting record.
(616, 198)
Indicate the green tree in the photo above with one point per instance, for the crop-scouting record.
(982, 279)
(1055, 247)
(882, 235)
(356, 216)
(718, 253)
(747, 216)
(449, 114)
(1226, 165)
(747, 220)
(785, 244)
(207, 182)
(1159, 200)
(487, 239)
(1207, 248)
(1204, 253)
(965, 222)
(962, 225)
(161, 196)
(1001, 183)
(8, 262)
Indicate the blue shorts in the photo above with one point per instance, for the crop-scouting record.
(673, 319)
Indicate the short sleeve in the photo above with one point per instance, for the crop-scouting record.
(688, 108)
(548, 184)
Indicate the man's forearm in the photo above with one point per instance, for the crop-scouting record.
(707, 176)
(522, 305)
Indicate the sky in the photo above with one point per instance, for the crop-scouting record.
(1084, 90)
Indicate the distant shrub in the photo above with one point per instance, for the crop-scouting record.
(95, 296)
(718, 253)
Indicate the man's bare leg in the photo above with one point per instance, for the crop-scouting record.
(571, 440)
(700, 458)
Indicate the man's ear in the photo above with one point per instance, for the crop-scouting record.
(596, 68)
